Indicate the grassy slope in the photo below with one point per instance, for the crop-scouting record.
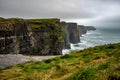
(98, 63)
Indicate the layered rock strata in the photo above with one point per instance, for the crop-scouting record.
(41, 37)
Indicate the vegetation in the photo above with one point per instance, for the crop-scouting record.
(45, 20)
(97, 63)
(10, 23)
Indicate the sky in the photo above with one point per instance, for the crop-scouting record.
(85, 12)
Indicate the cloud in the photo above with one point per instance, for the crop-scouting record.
(83, 11)
(44, 8)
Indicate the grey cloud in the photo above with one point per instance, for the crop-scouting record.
(113, 21)
(44, 8)
(64, 9)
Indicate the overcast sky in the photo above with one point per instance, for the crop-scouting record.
(88, 12)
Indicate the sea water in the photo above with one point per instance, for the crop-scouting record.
(100, 36)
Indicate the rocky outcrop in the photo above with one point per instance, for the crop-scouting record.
(82, 29)
(66, 44)
(73, 33)
(14, 37)
(41, 36)
(90, 28)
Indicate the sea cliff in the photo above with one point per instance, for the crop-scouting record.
(38, 36)
(35, 36)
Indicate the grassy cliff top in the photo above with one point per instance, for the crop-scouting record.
(49, 20)
(8, 24)
(31, 20)
(46, 24)
(38, 19)
(97, 63)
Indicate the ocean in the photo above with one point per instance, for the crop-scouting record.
(100, 36)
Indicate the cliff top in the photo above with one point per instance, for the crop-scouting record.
(8, 24)
(53, 20)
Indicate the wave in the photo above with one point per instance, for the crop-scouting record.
(93, 38)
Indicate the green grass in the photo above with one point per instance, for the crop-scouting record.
(95, 63)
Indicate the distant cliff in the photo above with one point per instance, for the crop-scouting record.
(66, 44)
(90, 28)
(71, 34)
(82, 29)
(74, 33)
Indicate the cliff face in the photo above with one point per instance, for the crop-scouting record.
(66, 44)
(43, 37)
(47, 37)
(82, 29)
(14, 36)
(73, 33)
(38, 36)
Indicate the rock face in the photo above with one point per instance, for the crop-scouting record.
(38, 36)
(43, 36)
(82, 29)
(47, 38)
(14, 36)
(66, 44)
(73, 33)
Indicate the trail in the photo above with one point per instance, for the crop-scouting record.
(13, 59)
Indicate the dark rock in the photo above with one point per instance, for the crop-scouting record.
(66, 44)
(14, 37)
(47, 37)
(82, 29)
(73, 33)
(90, 28)
(40, 37)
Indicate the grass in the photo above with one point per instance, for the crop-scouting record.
(95, 63)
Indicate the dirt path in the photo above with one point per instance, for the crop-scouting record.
(12, 59)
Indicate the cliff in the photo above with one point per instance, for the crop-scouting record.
(90, 28)
(36, 36)
(73, 33)
(47, 36)
(82, 29)
(66, 44)
(14, 36)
